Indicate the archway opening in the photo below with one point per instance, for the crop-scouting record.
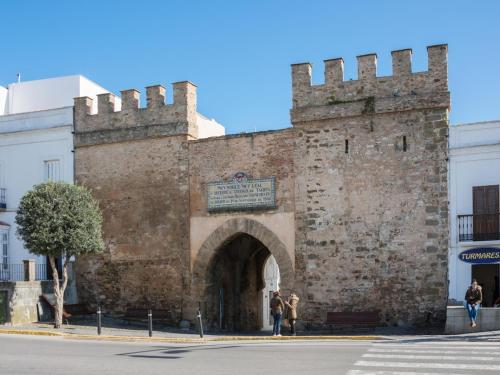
(242, 274)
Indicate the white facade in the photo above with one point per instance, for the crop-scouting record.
(208, 127)
(474, 161)
(36, 145)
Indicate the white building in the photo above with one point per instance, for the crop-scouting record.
(474, 179)
(36, 145)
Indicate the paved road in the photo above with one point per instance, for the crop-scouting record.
(43, 355)
(405, 356)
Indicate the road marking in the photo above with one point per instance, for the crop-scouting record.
(438, 357)
(448, 345)
(456, 366)
(439, 343)
(383, 372)
(431, 351)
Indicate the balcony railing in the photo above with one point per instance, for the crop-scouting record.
(483, 227)
(3, 199)
(15, 272)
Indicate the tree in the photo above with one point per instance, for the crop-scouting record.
(60, 220)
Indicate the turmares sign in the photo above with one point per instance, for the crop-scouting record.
(241, 193)
(480, 255)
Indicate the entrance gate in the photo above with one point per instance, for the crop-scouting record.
(228, 274)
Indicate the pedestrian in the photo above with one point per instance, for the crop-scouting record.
(291, 305)
(473, 299)
(277, 307)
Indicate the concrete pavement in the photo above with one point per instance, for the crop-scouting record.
(408, 355)
(57, 356)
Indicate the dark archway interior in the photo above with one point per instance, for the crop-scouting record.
(234, 293)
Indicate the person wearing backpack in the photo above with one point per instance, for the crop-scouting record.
(277, 307)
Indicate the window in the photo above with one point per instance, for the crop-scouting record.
(485, 204)
(52, 170)
(4, 249)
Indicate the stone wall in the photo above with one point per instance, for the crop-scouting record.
(361, 221)
(142, 190)
(371, 191)
(458, 321)
(136, 162)
(259, 155)
(23, 297)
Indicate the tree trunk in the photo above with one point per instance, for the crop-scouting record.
(59, 290)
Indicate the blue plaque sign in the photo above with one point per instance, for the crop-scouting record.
(480, 255)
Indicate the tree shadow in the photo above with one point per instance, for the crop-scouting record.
(173, 352)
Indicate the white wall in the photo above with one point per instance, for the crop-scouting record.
(208, 127)
(36, 126)
(3, 100)
(22, 156)
(50, 93)
(43, 94)
(474, 160)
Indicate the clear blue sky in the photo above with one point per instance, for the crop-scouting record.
(239, 52)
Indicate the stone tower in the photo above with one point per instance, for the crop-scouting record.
(371, 188)
(136, 162)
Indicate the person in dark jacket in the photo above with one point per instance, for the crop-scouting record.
(473, 299)
(277, 307)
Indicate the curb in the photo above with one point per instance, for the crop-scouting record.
(295, 338)
(181, 340)
(29, 332)
(172, 340)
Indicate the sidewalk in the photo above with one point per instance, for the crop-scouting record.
(112, 332)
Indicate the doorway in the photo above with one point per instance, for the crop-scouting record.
(272, 282)
(237, 287)
(487, 276)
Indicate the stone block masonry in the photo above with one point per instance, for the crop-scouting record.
(371, 189)
(361, 216)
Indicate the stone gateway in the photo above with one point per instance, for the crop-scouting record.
(351, 201)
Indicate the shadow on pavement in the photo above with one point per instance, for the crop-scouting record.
(173, 353)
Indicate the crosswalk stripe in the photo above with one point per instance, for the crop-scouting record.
(383, 372)
(445, 345)
(456, 366)
(439, 357)
(433, 351)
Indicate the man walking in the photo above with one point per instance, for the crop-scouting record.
(277, 307)
(473, 299)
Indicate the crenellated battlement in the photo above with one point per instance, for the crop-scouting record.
(404, 90)
(133, 122)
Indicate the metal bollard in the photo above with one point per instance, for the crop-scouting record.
(99, 321)
(200, 323)
(150, 322)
